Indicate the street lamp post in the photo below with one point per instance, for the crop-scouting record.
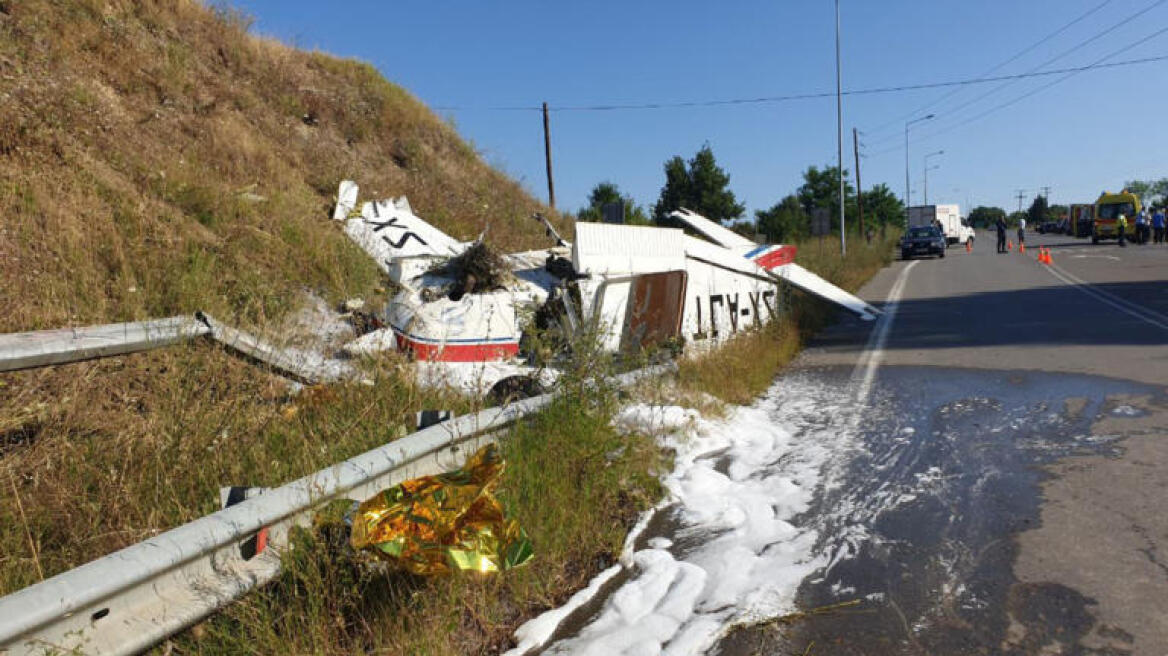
(906, 198)
(839, 120)
(927, 169)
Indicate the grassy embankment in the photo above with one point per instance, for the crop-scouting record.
(156, 159)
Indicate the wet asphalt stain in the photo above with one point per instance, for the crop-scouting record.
(919, 522)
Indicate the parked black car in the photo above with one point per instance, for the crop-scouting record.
(922, 240)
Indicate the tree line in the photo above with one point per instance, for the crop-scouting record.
(704, 187)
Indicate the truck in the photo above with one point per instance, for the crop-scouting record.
(1107, 211)
(955, 229)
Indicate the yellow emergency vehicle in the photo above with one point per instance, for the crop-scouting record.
(1107, 211)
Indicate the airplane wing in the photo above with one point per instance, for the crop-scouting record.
(389, 229)
(813, 284)
(724, 237)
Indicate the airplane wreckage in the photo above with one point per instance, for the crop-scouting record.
(638, 286)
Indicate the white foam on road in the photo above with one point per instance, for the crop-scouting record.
(737, 554)
(738, 491)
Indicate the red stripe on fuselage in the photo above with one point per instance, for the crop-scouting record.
(456, 352)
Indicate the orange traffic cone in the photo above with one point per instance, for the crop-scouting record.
(1009, 245)
(1048, 260)
(968, 245)
(1022, 247)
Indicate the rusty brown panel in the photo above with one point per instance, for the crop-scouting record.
(654, 310)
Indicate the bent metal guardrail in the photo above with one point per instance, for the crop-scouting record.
(132, 599)
(49, 347)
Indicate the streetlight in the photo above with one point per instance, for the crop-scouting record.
(906, 199)
(930, 168)
(839, 127)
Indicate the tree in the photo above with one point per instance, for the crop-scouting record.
(882, 207)
(744, 228)
(986, 217)
(784, 222)
(701, 186)
(1037, 212)
(821, 190)
(605, 193)
(1150, 192)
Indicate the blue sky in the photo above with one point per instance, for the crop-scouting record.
(1088, 133)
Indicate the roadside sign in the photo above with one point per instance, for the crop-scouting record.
(820, 221)
(613, 212)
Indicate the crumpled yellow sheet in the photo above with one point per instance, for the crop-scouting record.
(439, 524)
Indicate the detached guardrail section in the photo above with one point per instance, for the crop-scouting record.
(49, 347)
(132, 599)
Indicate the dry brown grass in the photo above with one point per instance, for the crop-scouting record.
(96, 456)
(745, 366)
(131, 130)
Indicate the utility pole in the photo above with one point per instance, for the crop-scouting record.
(839, 127)
(859, 187)
(547, 155)
(1046, 193)
(1020, 196)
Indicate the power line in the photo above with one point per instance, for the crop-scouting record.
(1098, 63)
(806, 96)
(1076, 48)
(1014, 58)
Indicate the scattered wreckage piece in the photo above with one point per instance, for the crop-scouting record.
(637, 286)
(134, 598)
(50, 347)
(302, 366)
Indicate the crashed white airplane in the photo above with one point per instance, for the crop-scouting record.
(637, 285)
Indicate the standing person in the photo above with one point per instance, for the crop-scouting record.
(1120, 227)
(1021, 232)
(1158, 225)
(1000, 224)
(1141, 227)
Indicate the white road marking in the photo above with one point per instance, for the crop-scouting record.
(1140, 312)
(873, 353)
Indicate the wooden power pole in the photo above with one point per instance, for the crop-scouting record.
(859, 187)
(547, 154)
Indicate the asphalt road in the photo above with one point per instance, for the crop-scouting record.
(1009, 492)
